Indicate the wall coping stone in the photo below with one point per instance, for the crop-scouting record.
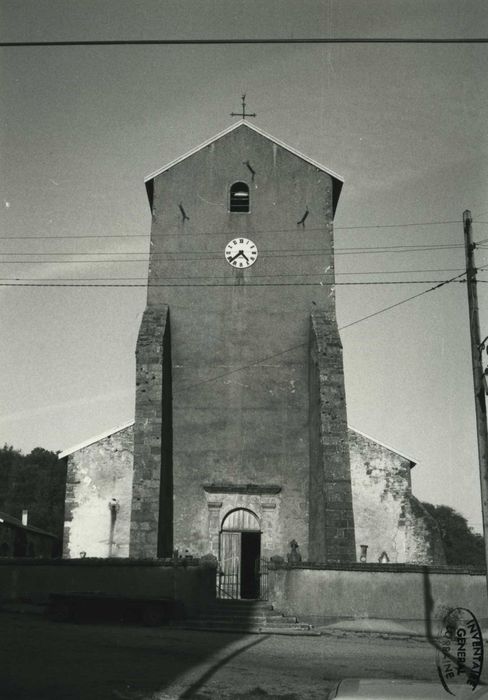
(100, 561)
(376, 567)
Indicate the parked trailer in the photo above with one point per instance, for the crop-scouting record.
(94, 606)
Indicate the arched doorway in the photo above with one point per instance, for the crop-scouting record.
(240, 551)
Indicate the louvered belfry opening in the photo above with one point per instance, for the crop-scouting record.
(239, 197)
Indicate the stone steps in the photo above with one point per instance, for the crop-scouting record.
(245, 616)
(241, 604)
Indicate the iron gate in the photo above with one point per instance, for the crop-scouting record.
(229, 578)
(263, 579)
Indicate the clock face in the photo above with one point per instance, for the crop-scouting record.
(241, 252)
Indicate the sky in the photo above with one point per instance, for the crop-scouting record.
(403, 124)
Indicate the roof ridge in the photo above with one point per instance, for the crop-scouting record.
(228, 130)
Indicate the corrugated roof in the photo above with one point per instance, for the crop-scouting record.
(338, 179)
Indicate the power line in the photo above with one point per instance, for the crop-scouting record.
(311, 40)
(70, 262)
(242, 368)
(404, 301)
(418, 223)
(400, 272)
(202, 256)
(295, 347)
(282, 352)
(295, 229)
(166, 277)
(420, 246)
(231, 284)
(262, 251)
(171, 260)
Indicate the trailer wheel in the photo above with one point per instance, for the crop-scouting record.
(60, 611)
(153, 615)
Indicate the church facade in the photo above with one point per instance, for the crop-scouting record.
(240, 442)
(387, 516)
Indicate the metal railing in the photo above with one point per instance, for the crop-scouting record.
(228, 585)
(263, 578)
(229, 581)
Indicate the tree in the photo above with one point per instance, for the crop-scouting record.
(462, 546)
(35, 482)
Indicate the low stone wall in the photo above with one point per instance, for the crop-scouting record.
(323, 594)
(32, 580)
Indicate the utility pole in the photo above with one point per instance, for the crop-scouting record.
(478, 373)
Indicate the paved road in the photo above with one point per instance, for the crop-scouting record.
(44, 660)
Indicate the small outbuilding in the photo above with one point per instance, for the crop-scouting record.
(18, 539)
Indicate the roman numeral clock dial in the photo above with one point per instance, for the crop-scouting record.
(241, 252)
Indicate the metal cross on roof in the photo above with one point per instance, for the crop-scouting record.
(243, 114)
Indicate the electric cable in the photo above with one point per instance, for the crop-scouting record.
(166, 277)
(295, 229)
(217, 255)
(232, 285)
(233, 41)
(329, 249)
(295, 347)
(404, 301)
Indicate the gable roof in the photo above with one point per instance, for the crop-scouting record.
(130, 423)
(337, 180)
(412, 461)
(97, 438)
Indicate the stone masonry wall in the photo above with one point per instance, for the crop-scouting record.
(388, 518)
(97, 474)
(388, 591)
(331, 534)
(152, 516)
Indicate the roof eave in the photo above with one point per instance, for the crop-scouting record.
(412, 461)
(97, 438)
(337, 179)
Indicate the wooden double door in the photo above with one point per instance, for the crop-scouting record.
(240, 555)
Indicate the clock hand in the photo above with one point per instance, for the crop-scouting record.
(241, 252)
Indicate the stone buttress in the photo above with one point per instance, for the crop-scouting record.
(331, 523)
(151, 530)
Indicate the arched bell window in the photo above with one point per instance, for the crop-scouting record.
(239, 197)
